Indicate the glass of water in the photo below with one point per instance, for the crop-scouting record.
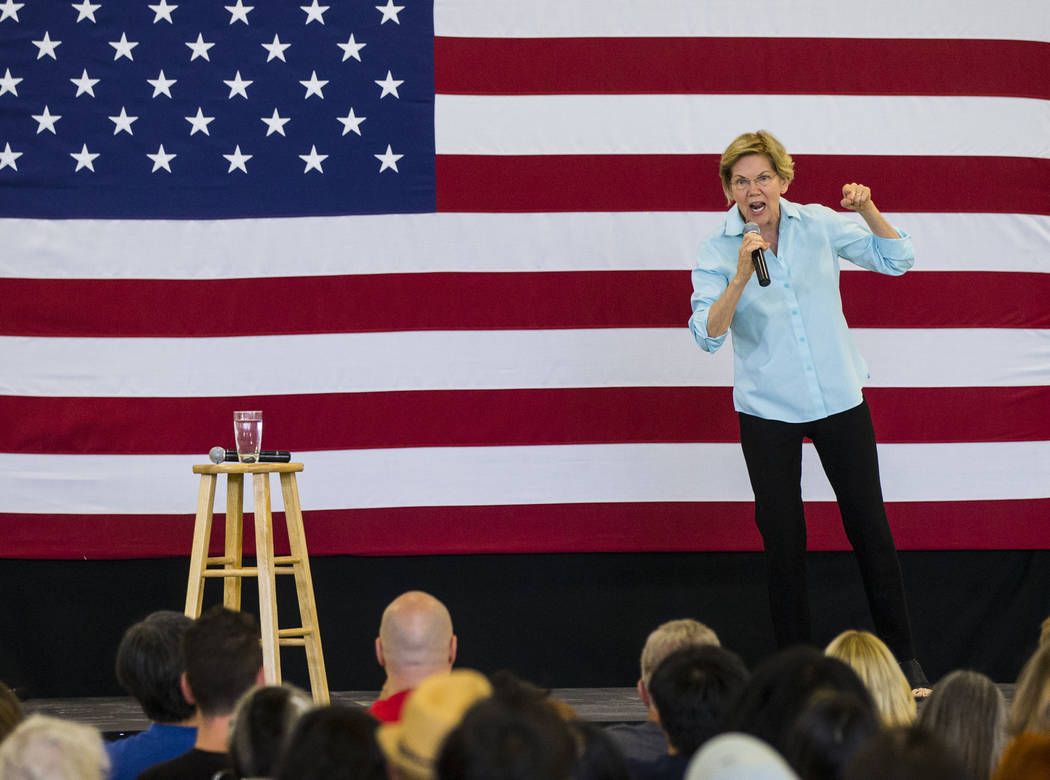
(247, 433)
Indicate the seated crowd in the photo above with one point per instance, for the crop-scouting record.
(845, 713)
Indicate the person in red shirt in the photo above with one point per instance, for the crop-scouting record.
(415, 641)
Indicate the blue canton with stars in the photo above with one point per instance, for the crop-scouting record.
(200, 109)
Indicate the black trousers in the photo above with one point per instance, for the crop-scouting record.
(846, 445)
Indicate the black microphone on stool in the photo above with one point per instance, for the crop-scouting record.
(221, 455)
(758, 258)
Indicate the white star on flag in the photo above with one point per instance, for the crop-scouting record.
(313, 160)
(314, 12)
(161, 160)
(351, 49)
(200, 48)
(238, 86)
(161, 85)
(47, 47)
(7, 157)
(200, 122)
(390, 12)
(9, 83)
(276, 49)
(388, 160)
(351, 122)
(239, 12)
(390, 85)
(84, 158)
(10, 10)
(237, 160)
(46, 121)
(123, 47)
(85, 84)
(275, 123)
(123, 122)
(86, 10)
(163, 11)
(314, 86)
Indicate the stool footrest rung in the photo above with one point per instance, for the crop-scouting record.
(292, 642)
(250, 571)
(288, 632)
(290, 560)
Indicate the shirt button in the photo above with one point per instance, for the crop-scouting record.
(794, 311)
(809, 368)
(801, 339)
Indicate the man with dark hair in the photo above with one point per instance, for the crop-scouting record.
(691, 690)
(508, 740)
(149, 667)
(646, 741)
(223, 659)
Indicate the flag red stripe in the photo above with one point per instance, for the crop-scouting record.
(605, 527)
(480, 301)
(114, 426)
(582, 66)
(689, 182)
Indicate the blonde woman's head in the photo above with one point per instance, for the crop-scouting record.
(875, 665)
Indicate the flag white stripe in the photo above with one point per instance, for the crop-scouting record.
(1013, 19)
(701, 124)
(439, 360)
(427, 243)
(479, 476)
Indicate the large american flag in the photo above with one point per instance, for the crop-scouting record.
(446, 248)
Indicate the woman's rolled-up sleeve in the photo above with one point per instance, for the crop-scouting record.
(708, 285)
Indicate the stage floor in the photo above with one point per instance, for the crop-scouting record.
(115, 715)
(118, 715)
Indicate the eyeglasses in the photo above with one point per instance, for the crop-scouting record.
(763, 181)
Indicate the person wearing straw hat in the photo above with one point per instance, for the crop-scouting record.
(430, 712)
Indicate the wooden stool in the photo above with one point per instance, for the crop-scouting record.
(267, 564)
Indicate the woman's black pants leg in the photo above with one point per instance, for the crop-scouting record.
(845, 443)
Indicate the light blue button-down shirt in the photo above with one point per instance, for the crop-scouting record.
(794, 359)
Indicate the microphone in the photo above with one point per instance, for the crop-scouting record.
(758, 258)
(220, 455)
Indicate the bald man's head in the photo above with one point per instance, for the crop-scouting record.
(415, 639)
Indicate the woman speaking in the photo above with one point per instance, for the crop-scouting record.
(798, 375)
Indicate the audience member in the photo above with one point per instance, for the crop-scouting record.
(262, 722)
(10, 711)
(430, 712)
(968, 711)
(644, 741)
(500, 741)
(1030, 710)
(46, 748)
(905, 753)
(691, 691)
(223, 659)
(337, 742)
(508, 687)
(149, 667)
(738, 757)
(415, 641)
(782, 686)
(597, 755)
(826, 734)
(1026, 758)
(873, 662)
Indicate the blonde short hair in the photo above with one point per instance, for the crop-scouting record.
(758, 142)
(875, 665)
(55, 749)
(670, 636)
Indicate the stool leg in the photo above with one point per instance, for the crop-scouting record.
(231, 586)
(199, 551)
(304, 588)
(267, 590)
